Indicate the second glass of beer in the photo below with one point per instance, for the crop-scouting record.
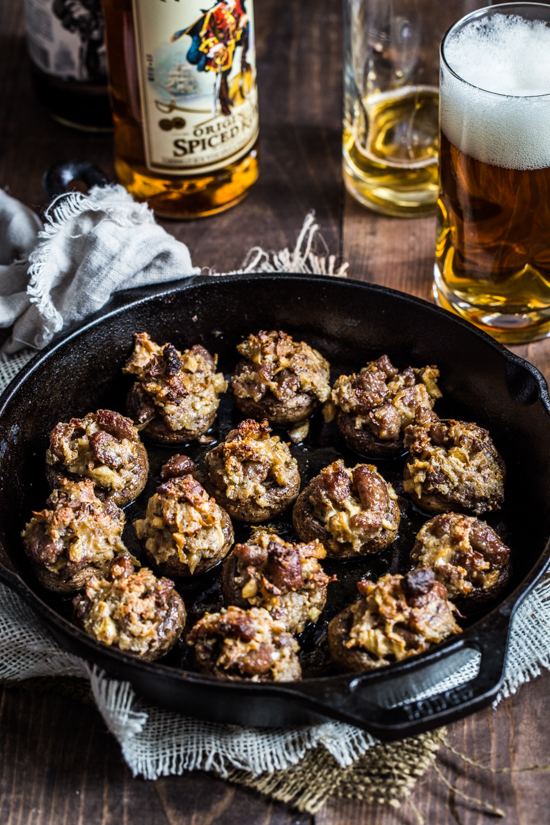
(493, 236)
(391, 74)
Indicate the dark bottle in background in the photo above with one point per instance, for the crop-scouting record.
(66, 44)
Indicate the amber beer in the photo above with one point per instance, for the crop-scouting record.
(391, 163)
(493, 246)
(493, 235)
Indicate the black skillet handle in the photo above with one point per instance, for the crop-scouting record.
(58, 177)
(452, 704)
(397, 722)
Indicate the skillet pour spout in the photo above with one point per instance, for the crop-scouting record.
(350, 323)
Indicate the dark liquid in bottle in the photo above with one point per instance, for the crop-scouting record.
(79, 105)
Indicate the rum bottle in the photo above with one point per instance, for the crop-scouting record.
(182, 77)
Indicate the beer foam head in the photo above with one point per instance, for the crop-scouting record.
(499, 110)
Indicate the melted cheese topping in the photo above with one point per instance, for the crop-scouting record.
(270, 453)
(184, 397)
(173, 526)
(456, 467)
(267, 637)
(297, 605)
(448, 553)
(389, 628)
(79, 524)
(280, 352)
(125, 612)
(79, 458)
(338, 518)
(401, 394)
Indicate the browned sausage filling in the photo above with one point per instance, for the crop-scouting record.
(251, 462)
(76, 530)
(183, 521)
(278, 364)
(463, 552)
(400, 616)
(182, 388)
(384, 399)
(245, 644)
(455, 460)
(177, 465)
(284, 578)
(102, 446)
(130, 609)
(354, 505)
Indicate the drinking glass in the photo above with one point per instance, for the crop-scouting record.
(391, 78)
(493, 224)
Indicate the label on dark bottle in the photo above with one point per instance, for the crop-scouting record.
(66, 39)
(197, 75)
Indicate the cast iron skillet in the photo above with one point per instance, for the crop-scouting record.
(350, 322)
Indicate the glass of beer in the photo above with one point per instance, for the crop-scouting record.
(493, 230)
(391, 79)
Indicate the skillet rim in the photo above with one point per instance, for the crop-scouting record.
(298, 691)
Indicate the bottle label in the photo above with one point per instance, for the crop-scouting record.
(197, 73)
(66, 39)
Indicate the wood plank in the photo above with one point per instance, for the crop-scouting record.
(299, 65)
(58, 763)
(60, 766)
(516, 735)
(394, 252)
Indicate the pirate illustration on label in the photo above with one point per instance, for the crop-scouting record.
(215, 37)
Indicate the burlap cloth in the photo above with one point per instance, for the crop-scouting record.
(301, 766)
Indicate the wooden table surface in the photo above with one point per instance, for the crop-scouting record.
(59, 765)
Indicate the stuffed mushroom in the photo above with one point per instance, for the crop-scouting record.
(351, 511)
(103, 446)
(283, 577)
(452, 465)
(466, 556)
(252, 474)
(131, 610)
(184, 531)
(241, 644)
(175, 398)
(374, 406)
(75, 537)
(395, 618)
(279, 379)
